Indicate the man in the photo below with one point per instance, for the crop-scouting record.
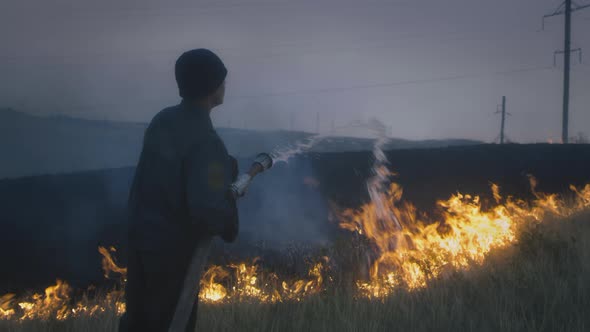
(179, 194)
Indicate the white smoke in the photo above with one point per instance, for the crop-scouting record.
(377, 184)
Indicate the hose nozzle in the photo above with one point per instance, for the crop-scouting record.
(262, 162)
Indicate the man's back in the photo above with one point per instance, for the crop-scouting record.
(177, 138)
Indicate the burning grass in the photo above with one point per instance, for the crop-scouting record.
(411, 249)
(540, 283)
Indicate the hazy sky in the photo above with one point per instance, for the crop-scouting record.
(429, 69)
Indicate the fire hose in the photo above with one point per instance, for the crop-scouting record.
(190, 287)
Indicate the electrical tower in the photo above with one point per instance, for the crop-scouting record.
(503, 122)
(566, 9)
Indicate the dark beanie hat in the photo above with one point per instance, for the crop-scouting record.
(198, 73)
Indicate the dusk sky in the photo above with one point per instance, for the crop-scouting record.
(429, 69)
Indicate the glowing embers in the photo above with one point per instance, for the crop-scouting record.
(247, 281)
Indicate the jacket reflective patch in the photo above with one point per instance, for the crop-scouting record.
(216, 176)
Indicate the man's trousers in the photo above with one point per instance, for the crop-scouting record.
(154, 283)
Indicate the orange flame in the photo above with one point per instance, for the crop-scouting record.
(56, 301)
(108, 263)
(6, 301)
(253, 284)
(425, 249)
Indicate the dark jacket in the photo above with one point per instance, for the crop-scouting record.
(180, 189)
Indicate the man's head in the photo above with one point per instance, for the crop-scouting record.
(200, 76)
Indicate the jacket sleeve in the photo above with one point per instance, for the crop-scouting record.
(211, 206)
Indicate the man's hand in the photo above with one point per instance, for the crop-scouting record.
(240, 186)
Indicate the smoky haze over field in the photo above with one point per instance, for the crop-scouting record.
(428, 69)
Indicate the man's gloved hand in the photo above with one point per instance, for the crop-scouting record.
(240, 186)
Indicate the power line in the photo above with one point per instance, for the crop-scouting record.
(341, 89)
(392, 84)
(563, 9)
(356, 87)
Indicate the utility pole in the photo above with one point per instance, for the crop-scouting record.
(503, 119)
(503, 123)
(566, 8)
(566, 71)
(317, 123)
(291, 121)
